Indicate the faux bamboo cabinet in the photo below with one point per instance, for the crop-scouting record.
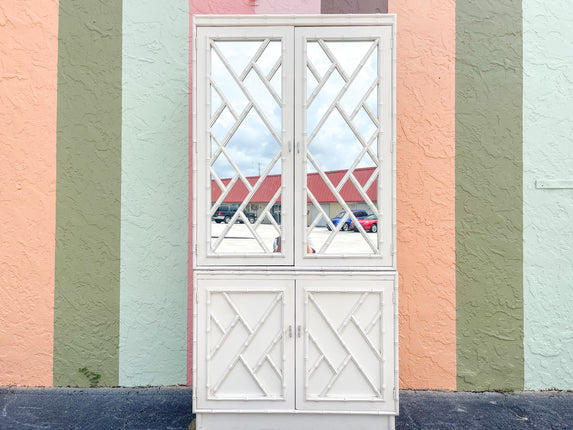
(295, 283)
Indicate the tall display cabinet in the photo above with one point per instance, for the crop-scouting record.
(295, 291)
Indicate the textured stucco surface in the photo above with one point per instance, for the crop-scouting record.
(354, 6)
(425, 192)
(154, 193)
(86, 326)
(220, 7)
(548, 213)
(287, 7)
(28, 95)
(489, 195)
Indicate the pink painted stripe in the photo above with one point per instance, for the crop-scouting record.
(28, 99)
(202, 7)
(426, 192)
(287, 7)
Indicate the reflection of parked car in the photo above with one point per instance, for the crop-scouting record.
(370, 223)
(224, 213)
(357, 213)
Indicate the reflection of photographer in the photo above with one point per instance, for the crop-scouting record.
(276, 213)
(309, 245)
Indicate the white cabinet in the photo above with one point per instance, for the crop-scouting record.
(295, 283)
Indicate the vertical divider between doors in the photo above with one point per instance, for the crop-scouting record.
(300, 110)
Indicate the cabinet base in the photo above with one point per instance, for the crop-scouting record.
(274, 421)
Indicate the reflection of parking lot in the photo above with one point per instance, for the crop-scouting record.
(239, 239)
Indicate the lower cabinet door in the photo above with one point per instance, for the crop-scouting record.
(245, 344)
(346, 349)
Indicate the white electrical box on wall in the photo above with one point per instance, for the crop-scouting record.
(294, 226)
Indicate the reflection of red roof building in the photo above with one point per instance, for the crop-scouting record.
(315, 183)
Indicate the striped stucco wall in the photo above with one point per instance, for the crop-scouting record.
(122, 194)
(95, 179)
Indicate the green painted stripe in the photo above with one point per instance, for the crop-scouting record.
(86, 326)
(155, 184)
(489, 198)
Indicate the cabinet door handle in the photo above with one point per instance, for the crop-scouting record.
(298, 147)
(289, 146)
(298, 331)
(290, 331)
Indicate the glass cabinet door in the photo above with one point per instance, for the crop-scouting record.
(345, 189)
(294, 146)
(244, 145)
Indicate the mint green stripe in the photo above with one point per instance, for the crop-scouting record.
(86, 314)
(489, 198)
(548, 236)
(154, 201)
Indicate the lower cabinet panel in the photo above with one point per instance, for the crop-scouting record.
(246, 344)
(338, 331)
(345, 353)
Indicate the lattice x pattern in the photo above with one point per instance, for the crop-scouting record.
(344, 357)
(246, 345)
(342, 125)
(247, 130)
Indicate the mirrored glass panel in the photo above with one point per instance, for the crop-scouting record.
(342, 161)
(245, 127)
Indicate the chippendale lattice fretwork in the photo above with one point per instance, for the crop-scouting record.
(246, 344)
(345, 359)
(246, 124)
(343, 128)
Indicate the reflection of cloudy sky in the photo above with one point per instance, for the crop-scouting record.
(253, 145)
(335, 146)
(226, 85)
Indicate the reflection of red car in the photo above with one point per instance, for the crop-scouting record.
(370, 223)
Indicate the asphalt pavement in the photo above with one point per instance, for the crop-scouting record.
(170, 408)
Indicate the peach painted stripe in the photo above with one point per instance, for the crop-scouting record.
(426, 192)
(28, 94)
